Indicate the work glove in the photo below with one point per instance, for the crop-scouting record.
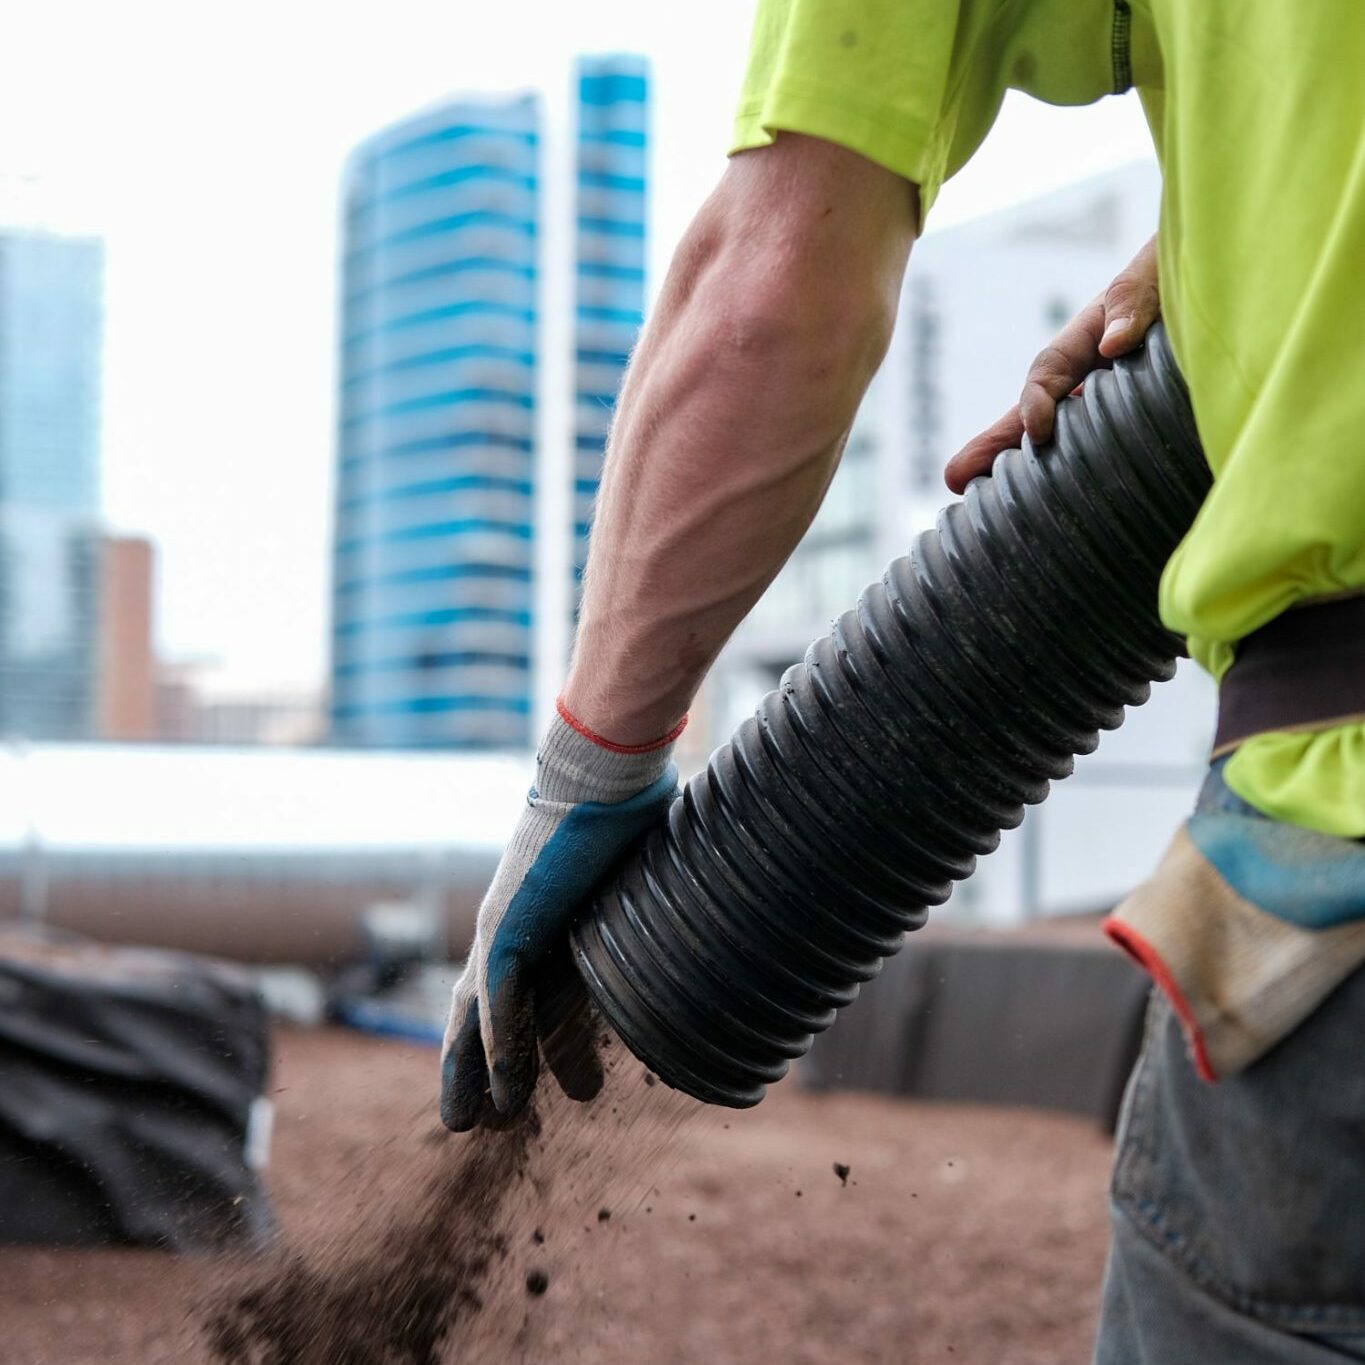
(591, 801)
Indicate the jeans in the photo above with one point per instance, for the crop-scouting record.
(1239, 1208)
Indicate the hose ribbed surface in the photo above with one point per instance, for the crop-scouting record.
(949, 698)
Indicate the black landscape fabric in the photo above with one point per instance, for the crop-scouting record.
(128, 1084)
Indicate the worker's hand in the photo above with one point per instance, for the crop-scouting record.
(590, 802)
(1110, 326)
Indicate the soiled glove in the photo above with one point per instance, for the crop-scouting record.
(590, 802)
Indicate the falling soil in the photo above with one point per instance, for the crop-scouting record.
(411, 1294)
(394, 1301)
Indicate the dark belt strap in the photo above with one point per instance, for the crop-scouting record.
(1305, 670)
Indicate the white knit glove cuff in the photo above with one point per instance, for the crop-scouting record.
(573, 764)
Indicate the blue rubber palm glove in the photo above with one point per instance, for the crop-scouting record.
(591, 801)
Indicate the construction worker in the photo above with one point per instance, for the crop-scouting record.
(1239, 1187)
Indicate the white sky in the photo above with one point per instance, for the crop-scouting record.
(205, 141)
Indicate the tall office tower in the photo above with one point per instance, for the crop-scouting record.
(478, 381)
(613, 109)
(50, 340)
(434, 517)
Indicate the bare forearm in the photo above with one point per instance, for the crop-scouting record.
(729, 428)
(719, 463)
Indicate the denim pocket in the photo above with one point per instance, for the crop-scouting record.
(1255, 1187)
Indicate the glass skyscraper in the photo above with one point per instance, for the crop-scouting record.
(613, 94)
(51, 323)
(444, 228)
(432, 572)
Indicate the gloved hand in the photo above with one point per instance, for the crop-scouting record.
(590, 802)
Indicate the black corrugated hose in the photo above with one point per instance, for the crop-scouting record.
(958, 688)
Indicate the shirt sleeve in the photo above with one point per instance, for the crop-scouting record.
(915, 85)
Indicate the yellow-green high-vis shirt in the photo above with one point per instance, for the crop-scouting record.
(1257, 111)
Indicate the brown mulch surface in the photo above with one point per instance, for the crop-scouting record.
(961, 1233)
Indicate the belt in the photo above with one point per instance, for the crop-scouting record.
(1305, 670)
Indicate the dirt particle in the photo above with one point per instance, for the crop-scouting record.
(691, 1217)
(651, 1078)
(538, 1237)
(603, 1215)
(537, 1282)
(798, 1194)
(841, 1170)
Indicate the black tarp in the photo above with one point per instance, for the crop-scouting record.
(131, 1101)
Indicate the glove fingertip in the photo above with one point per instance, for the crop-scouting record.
(565, 1025)
(465, 1097)
(512, 1084)
(512, 1060)
(578, 1070)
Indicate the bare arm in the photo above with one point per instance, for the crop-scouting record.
(775, 314)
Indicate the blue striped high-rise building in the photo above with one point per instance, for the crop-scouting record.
(444, 230)
(433, 552)
(613, 108)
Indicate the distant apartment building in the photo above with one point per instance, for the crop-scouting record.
(442, 344)
(980, 300)
(127, 670)
(51, 324)
(196, 704)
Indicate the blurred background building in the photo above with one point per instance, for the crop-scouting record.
(126, 679)
(609, 260)
(432, 586)
(50, 344)
(444, 227)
